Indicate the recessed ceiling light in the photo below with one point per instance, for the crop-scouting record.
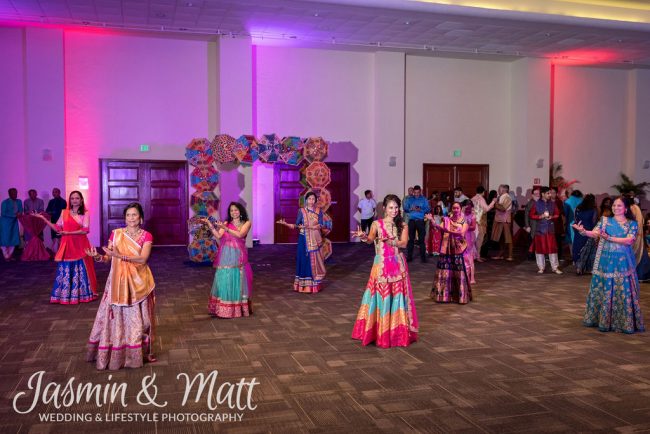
(316, 14)
(547, 34)
(407, 22)
(189, 4)
(620, 41)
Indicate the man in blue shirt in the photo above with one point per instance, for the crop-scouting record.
(416, 207)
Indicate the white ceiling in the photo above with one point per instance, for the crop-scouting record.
(411, 25)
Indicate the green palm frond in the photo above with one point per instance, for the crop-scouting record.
(627, 184)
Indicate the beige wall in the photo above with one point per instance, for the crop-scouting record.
(457, 104)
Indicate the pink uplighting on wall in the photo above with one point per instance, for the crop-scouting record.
(587, 57)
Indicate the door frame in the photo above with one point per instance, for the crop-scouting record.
(485, 181)
(103, 192)
(348, 204)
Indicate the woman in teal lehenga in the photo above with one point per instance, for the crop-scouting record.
(613, 299)
(230, 296)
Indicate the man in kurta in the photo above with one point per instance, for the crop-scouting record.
(502, 230)
(481, 209)
(545, 213)
(9, 232)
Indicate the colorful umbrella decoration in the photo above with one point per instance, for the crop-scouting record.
(246, 149)
(199, 158)
(202, 249)
(201, 145)
(192, 156)
(204, 203)
(269, 148)
(291, 150)
(318, 174)
(204, 178)
(324, 198)
(222, 146)
(327, 224)
(326, 248)
(315, 149)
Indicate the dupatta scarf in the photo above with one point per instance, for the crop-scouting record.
(131, 283)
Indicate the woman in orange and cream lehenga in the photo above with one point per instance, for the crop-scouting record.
(123, 332)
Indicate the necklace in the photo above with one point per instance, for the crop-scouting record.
(73, 212)
(133, 235)
(390, 227)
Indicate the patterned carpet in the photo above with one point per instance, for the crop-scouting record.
(516, 359)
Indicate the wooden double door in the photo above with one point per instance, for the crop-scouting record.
(159, 186)
(287, 190)
(446, 177)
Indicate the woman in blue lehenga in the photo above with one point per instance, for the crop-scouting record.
(310, 262)
(613, 299)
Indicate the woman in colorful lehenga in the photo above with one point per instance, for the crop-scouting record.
(123, 332)
(387, 314)
(613, 299)
(451, 283)
(230, 296)
(75, 276)
(310, 264)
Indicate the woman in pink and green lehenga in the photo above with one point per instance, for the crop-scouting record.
(233, 281)
(387, 314)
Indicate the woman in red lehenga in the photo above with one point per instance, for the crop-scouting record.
(434, 238)
(123, 331)
(75, 276)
